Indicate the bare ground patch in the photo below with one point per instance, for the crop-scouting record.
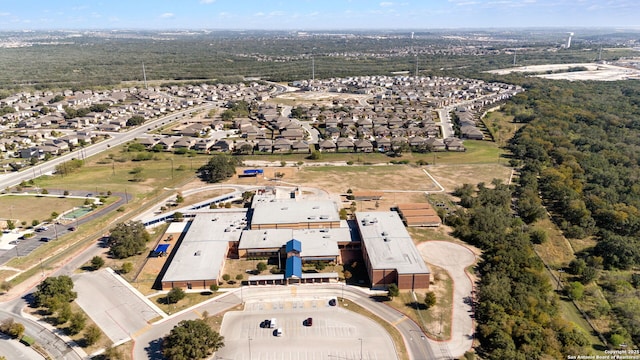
(452, 176)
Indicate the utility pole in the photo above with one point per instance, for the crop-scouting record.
(360, 348)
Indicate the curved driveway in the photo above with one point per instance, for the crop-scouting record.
(455, 259)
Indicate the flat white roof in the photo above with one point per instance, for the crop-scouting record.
(388, 243)
(203, 250)
(315, 242)
(294, 211)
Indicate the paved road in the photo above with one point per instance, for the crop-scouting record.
(53, 344)
(13, 349)
(455, 259)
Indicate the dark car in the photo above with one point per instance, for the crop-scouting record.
(308, 322)
(45, 239)
(265, 324)
(332, 302)
(73, 228)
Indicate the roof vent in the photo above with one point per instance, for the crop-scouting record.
(197, 253)
(387, 239)
(384, 233)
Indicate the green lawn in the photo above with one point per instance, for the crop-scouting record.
(28, 208)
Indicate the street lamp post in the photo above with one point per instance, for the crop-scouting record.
(250, 355)
(360, 348)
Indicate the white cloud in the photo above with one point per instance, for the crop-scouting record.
(167, 15)
(259, 14)
(4, 14)
(276, 13)
(207, 1)
(386, 4)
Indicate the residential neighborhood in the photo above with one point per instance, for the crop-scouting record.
(386, 114)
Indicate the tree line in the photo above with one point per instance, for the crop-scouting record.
(578, 157)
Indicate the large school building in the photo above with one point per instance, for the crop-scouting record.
(293, 231)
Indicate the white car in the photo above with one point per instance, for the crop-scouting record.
(279, 332)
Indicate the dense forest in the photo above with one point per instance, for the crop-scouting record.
(579, 159)
(81, 62)
(517, 310)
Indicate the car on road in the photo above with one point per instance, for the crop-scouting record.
(265, 324)
(45, 239)
(73, 228)
(278, 332)
(14, 242)
(332, 302)
(308, 321)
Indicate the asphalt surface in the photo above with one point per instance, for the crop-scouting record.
(13, 349)
(57, 231)
(335, 333)
(147, 343)
(455, 259)
(114, 307)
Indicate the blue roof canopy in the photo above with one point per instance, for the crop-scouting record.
(294, 267)
(294, 245)
(162, 248)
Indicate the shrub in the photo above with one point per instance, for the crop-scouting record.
(175, 295)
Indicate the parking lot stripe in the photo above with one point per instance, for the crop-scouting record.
(403, 318)
(141, 331)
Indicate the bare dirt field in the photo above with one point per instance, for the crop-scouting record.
(452, 176)
(598, 72)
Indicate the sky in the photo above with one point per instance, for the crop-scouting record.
(315, 14)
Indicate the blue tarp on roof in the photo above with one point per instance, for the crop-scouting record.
(294, 245)
(294, 267)
(162, 248)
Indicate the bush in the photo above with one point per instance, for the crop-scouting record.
(239, 277)
(214, 288)
(126, 268)
(393, 291)
(261, 266)
(226, 277)
(97, 262)
(175, 295)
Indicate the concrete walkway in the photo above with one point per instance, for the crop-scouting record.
(455, 259)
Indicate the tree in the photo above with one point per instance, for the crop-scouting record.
(239, 277)
(220, 167)
(174, 295)
(575, 290)
(393, 291)
(76, 323)
(135, 120)
(226, 277)
(12, 328)
(178, 216)
(54, 291)
(214, 288)
(191, 339)
(97, 262)
(429, 299)
(128, 239)
(261, 266)
(64, 314)
(92, 334)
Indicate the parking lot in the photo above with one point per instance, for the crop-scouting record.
(335, 333)
(113, 306)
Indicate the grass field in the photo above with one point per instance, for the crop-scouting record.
(28, 208)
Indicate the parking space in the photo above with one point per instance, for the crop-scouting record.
(117, 310)
(334, 333)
